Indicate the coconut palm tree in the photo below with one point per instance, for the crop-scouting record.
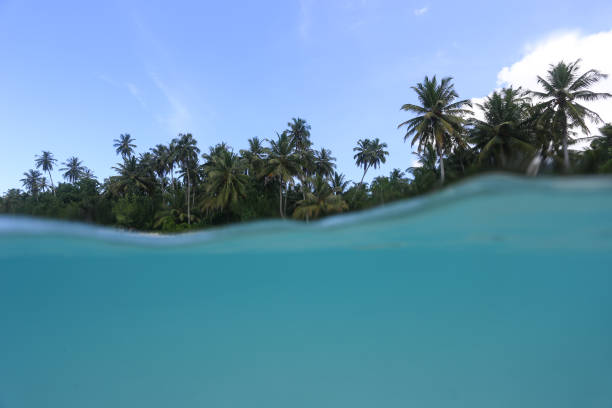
(43, 185)
(88, 173)
(172, 161)
(254, 156)
(124, 145)
(187, 157)
(339, 183)
(370, 153)
(563, 88)
(226, 181)
(160, 163)
(506, 129)
(31, 182)
(427, 160)
(320, 201)
(439, 116)
(282, 163)
(133, 175)
(324, 162)
(46, 161)
(299, 134)
(73, 170)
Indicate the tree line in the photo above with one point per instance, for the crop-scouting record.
(175, 186)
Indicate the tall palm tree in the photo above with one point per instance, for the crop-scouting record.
(506, 128)
(88, 173)
(370, 153)
(133, 176)
(299, 133)
(31, 182)
(320, 201)
(124, 145)
(46, 161)
(172, 161)
(339, 183)
(427, 161)
(564, 87)
(324, 162)
(254, 155)
(216, 150)
(161, 163)
(282, 163)
(439, 116)
(187, 156)
(73, 170)
(226, 181)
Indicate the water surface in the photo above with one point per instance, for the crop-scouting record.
(493, 293)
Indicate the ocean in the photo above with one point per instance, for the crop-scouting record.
(496, 292)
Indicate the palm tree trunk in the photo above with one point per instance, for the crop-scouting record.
(188, 196)
(566, 163)
(280, 197)
(303, 188)
(365, 170)
(51, 178)
(286, 197)
(441, 162)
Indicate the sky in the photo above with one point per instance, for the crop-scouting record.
(74, 75)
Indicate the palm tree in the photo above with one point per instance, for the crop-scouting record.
(88, 173)
(254, 156)
(187, 156)
(324, 162)
(320, 201)
(160, 163)
(563, 88)
(216, 150)
(339, 183)
(226, 181)
(299, 134)
(46, 161)
(73, 170)
(172, 161)
(426, 159)
(132, 176)
(124, 145)
(506, 128)
(43, 185)
(438, 118)
(370, 153)
(31, 182)
(282, 163)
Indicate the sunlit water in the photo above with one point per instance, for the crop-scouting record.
(494, 293)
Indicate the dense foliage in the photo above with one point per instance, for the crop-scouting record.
(176, 187)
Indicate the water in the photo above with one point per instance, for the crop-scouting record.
(494, 293)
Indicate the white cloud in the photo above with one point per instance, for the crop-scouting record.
(593, 49)
(478, 113)
(178, 119)
(420, 11)
(305, 18)
(107, 79)
(133, 89)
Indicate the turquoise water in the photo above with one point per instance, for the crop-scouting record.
(493, 293)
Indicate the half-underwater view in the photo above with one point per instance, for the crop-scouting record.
(305, 203)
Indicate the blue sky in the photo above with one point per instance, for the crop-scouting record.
(76, 74)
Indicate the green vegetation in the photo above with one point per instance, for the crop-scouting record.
(174, 187)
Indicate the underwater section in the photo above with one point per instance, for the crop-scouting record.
(496, 292)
